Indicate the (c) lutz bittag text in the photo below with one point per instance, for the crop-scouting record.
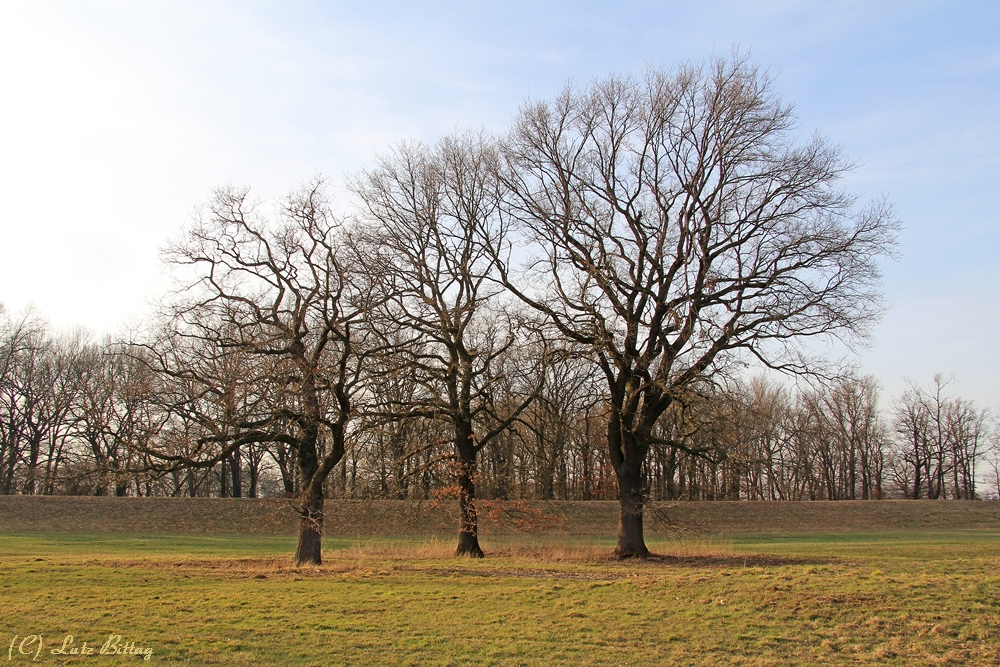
(34, 646)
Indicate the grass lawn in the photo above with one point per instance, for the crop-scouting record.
(879, 599)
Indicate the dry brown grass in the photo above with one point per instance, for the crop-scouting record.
(424, 549)
(554, 551)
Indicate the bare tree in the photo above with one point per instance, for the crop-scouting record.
(429, 210)
(116, 414)
(24, 344)
(550, 425)
(992, 457)
(265, 329)
(39, 383)
(677, 224)
(912, 426)
(940, 439)
(850, 438)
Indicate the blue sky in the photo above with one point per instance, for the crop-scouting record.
(118, 118)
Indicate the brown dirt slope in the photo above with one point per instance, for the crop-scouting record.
(217, 516)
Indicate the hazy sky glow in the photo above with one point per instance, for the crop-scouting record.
(118, 118)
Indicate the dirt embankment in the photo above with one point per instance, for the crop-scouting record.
(229, 516)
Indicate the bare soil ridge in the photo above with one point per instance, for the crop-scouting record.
(373, 518)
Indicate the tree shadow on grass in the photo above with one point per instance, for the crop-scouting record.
(734, 560)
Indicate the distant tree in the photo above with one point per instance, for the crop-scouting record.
(39, 384)
(940, 438)
(850, 438)
(676, 223)
(550, 425)
(992, 458)
(116, 414)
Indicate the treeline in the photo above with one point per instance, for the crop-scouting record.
(81, 417)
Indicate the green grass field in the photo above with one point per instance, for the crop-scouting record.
(879, 599)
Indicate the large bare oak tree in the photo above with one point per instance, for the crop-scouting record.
(265, 330)
(676, 223)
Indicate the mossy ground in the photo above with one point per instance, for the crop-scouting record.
(927, 598)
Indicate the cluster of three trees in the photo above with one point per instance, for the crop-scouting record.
(662, 227)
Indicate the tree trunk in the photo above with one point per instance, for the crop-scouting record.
(308, 550)
(235, 470)
(468, 533)
(34, 451)
(630, 537)
(223, 480)
(254, 476)
(627, 456)
(8, 482)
